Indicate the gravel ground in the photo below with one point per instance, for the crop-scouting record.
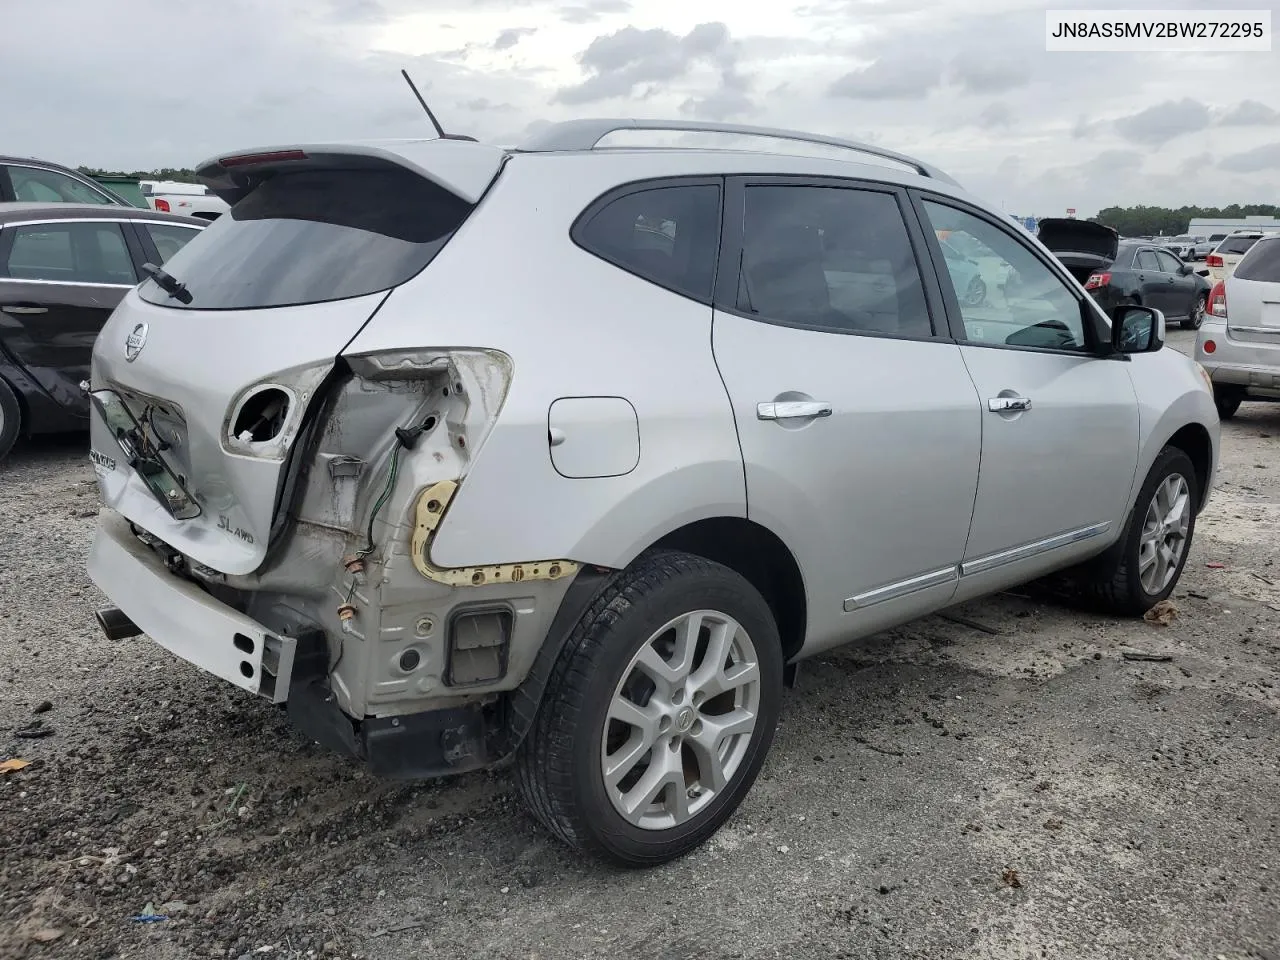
(937, 792)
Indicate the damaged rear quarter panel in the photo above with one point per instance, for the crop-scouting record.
(513, 280)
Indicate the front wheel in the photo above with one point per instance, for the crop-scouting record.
(1196, 320)
(975, 293)
(658, 714)
(1144, 565)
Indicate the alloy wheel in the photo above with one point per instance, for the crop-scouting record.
(681, 720)
(1164, 534)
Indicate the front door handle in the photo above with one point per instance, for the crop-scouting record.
(792, 410)
(21, 309)
(1007, 404)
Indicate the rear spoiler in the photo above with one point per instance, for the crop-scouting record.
(463, 167)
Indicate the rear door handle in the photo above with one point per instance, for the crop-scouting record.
(10, 308)
(792, 410)
(1006, 404)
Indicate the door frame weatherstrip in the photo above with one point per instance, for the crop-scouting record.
(944, 575)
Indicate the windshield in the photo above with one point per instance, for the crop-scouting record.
(313, 236)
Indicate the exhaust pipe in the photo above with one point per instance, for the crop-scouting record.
(116, 625)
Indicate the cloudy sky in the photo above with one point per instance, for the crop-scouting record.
(966, 84)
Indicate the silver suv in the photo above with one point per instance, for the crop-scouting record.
(569, 453)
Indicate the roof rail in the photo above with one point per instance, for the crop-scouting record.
(587, 133)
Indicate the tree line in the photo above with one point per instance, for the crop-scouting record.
(174, 174)
(1162, 221)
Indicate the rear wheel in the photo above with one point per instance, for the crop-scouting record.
(1196, 319)
(658, 714)
(10, 419)
(1227, 400)
(1144, 565)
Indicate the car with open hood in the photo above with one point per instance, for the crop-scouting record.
(573, 452)
(1128, 272)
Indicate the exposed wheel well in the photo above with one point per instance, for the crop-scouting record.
(761, 557)
(1193, 440)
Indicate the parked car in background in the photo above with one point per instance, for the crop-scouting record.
(188, 199)
(1222, 261)
(1181, 247)
(1148, 274)
(63, 269)
(320, 433)
(25, 180)
(1239, 344)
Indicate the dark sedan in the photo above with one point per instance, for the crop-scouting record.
(1148, 274)
(63, 269)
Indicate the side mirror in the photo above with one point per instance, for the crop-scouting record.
(1136, 329)
(1186, 269)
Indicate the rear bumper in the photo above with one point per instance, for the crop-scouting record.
(1253, 366)
(185, 620)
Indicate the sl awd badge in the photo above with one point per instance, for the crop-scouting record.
(135, 341)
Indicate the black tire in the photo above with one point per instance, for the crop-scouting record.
(10, 419)
(558, 765)
(1196, 320)
(1113, 582)
(1227, 401)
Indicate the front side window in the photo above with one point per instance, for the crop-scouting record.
(48, 186)
(668, 235)
(1168, 262)
(70, 253)
(832, 258)
(169, 238)
(1025, 303)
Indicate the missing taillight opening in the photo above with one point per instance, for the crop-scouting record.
(262, 416)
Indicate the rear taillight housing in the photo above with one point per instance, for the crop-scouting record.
(1097, 280)
(1218, 300)
(162, 206)
(1213, 260)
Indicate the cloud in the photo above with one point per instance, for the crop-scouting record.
(511, 36)
(1161, 123)
(1248, 113)
(592, 10)
(981, 72)
(1261, 158)
(631, 62)
(994, 116)
(1192, 166)
(906, 78)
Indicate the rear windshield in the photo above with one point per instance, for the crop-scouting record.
(1263, 261)
(1236, 244)
(314, 235)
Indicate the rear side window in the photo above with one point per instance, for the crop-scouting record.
(1147, 261)
(70, 253)
(668, 235)
(836, 259)
(169, 238)
(1262, 262)
(1236, 244)
(314, 236)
